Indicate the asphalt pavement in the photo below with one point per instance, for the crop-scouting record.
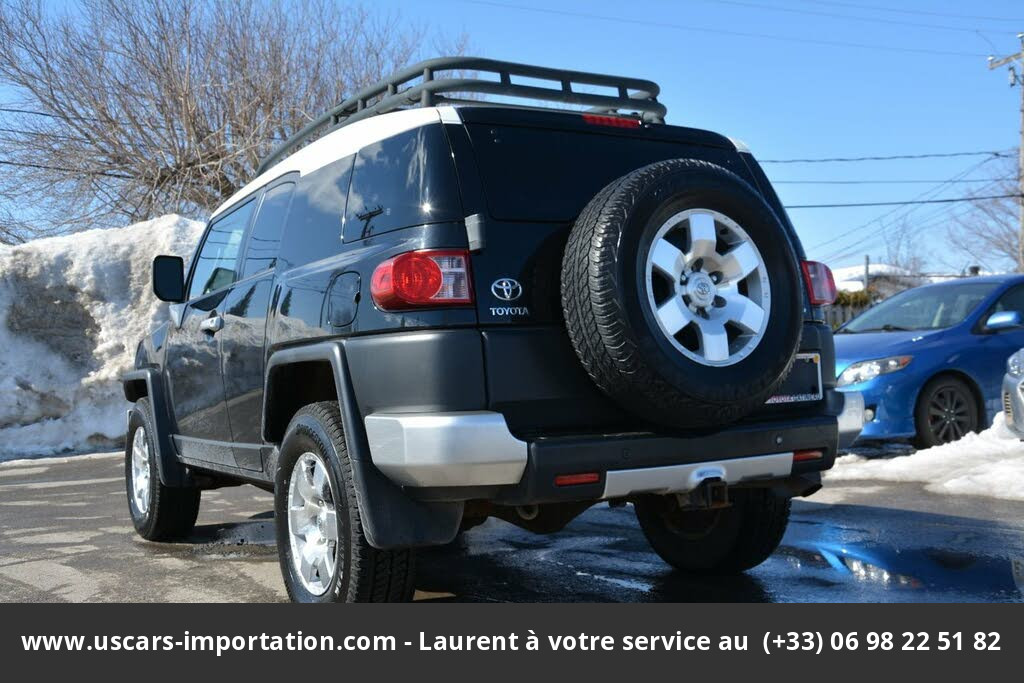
(65, 536)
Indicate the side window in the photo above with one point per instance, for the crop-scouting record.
(265, 238)
(1012, 300)
(215, 264)
(317, 214)
(408, 179)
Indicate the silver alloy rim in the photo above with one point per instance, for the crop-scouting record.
(140, 470)
(708, 287)
(312, 523)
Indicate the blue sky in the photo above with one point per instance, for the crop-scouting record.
(783, 76)
(793, 99)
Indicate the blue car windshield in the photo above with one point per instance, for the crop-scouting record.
(925, 308)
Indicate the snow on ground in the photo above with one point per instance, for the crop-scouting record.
(851, 278)
(987, 464)
(72, 310)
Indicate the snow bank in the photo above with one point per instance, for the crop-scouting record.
(851, 278)
(72, 310)
(987, 464)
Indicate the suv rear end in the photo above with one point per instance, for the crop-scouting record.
(485, 310)
(524, 176)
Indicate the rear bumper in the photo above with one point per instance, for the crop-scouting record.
(473, 455)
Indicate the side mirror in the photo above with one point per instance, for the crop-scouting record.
(169, 278)
(1004, 320)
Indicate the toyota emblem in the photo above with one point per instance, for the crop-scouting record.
(506, 289)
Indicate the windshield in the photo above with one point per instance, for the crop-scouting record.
(926, 308)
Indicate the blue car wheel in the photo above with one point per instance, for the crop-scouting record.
(946, 411)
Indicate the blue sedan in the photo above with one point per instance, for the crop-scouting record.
(930, 361)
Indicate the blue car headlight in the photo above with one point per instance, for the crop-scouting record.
(869, 369)
(1015, 366)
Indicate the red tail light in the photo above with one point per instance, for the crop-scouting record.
(577, 479)
(613, 121)
(418, 279)
(806, 455)
(821, 286)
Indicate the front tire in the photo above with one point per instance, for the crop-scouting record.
(720, 541)
(158, 512)
(322, 548)
(946, 411)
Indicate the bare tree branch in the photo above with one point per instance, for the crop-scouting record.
(990, 232)
(133, 110)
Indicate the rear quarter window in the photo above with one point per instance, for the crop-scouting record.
(408, 179)
(316, 216)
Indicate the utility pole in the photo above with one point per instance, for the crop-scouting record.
(867, 272)
(1017, 79)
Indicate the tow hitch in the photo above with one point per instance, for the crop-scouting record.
(710, 494)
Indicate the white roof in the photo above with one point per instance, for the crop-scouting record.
(343, 142)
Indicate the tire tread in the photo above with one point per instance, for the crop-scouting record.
(597, 326)
(173, 510)
(374, 575)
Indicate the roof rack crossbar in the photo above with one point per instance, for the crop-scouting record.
(635, 97)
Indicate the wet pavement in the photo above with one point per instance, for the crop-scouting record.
(65, 536)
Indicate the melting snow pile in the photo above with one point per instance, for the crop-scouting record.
(72, 310)
(987, 464)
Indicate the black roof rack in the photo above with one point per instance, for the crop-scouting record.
(634, 96)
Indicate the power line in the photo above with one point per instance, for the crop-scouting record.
(999, 153)
(65, 169)
(918, 12)
(950, 200)
(893, 157)
(894, 213)
(16, 110)
(833, 15)
(891, 182)
(39, 133)
(718, 31)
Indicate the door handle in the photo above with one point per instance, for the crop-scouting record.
(213, 324)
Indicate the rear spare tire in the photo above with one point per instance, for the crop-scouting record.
(682, 294)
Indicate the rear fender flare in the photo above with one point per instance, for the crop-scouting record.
(391, 519)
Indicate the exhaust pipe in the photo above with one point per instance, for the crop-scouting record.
(527, 512)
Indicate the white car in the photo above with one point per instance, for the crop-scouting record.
(1013, 393)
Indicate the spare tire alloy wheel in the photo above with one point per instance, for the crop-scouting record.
(312, 524)
(682, 294)
(712, 300)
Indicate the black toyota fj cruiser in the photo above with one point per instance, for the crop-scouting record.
(446, 309)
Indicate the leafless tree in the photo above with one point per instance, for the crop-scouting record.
(903, 247)
(990, 231)
(126, 110)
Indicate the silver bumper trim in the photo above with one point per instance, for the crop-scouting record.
(446, 449)
(851, 420)
(682, 478)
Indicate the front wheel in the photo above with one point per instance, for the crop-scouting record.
(159, 513)
(719, 541)
(946, 411)
(323, 550)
